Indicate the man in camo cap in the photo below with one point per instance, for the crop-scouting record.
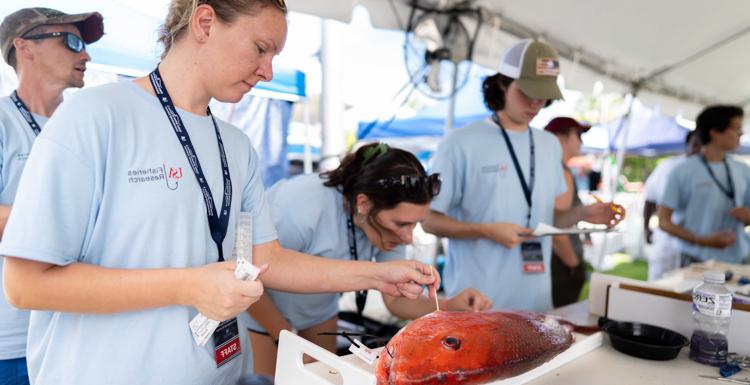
(47, 49)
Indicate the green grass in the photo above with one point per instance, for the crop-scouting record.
(637, 269)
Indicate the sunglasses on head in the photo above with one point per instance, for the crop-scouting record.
(413, 184)
(71, 40)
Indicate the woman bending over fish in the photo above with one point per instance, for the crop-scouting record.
(366, 209)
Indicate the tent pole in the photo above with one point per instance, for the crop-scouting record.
(611, 184)
(622, 130)
(331, 104)
(452, 102)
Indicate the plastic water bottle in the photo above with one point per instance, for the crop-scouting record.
(712, 309)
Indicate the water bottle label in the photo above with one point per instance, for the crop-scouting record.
(715, 305)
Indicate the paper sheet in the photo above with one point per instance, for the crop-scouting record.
(543, 229)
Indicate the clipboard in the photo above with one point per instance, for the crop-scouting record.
(544, 229)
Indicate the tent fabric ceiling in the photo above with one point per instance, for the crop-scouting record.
(625, 40)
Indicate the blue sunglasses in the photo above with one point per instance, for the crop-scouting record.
(72, 41)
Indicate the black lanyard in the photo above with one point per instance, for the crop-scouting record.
(217, 223)
(528, 189)
(360, 296)
(729, 191)
(25, 113)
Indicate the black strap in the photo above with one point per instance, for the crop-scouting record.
(360, 297)
(217, 222)
(528, 189)
(25, 113)
(729, 191)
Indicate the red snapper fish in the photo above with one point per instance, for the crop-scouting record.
(471, 348)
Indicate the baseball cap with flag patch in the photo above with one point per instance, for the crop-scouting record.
(17, 24)
(535, 66)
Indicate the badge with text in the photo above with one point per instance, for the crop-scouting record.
(531, 255)
(363, 352)
(227, 342)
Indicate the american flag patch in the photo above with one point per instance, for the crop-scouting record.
(547, 67)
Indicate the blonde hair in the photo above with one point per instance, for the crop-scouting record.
(181, 12)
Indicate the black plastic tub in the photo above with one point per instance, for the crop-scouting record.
(643, 340)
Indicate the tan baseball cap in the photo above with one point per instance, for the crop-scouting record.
(535, 66)
(17, 24)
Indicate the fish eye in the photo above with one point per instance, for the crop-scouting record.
(451, 343)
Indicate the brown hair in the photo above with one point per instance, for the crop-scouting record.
(493, 91)
(181, 11)
(362, 171)
(717, 118)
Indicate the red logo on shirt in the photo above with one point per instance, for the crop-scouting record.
(503, 170)
(175, 172)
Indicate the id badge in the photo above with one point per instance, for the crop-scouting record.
(227, 342)
(531, 255)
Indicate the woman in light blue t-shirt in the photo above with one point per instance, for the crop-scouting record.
(366, 209)
(127, 208)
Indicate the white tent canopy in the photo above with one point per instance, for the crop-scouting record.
(683, 53)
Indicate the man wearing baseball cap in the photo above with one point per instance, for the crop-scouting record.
(47, 49)
(568, 272)
(500, 180)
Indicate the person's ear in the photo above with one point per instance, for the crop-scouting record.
(204, 17)
(22, 48)
(363, 204)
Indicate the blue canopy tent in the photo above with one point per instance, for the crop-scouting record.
(649, 133)
(129, 48)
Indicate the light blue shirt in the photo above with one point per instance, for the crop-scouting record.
(480, 185)
(311, 219)
(705, 208)
(16, 138)
(108, 184)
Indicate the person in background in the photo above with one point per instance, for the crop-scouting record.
(500, 180)
(47, 49)
(568, 269)
(664, 255)
(365, 209)
(711, 192)
(126, 212)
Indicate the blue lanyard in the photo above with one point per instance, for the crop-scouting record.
(528, 189)
(729, 190)
(360, 297)
(217, 223)
(25, 113)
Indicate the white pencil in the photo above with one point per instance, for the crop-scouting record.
(437, 304)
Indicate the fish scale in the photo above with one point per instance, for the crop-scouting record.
(471, 348)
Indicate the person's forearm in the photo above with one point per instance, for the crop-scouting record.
(268, 316)
(85, 288)
(649, 209)
(295, 272)
(4, 214)
(563, 248)
(409, 309)
(678, 231)
(666, 224)
(445, 226)
(570, 217)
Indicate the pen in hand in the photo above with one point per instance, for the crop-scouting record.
(611, 205)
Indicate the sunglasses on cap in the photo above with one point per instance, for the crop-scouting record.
(72, 41)
(413, 184)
